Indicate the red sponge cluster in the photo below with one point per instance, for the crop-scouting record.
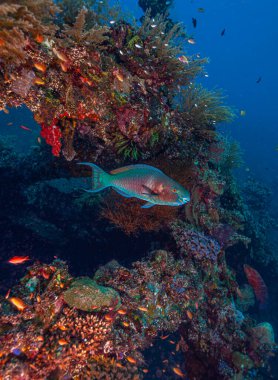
(52, 135)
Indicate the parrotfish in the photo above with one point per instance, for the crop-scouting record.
(140, 181)
(258, 285)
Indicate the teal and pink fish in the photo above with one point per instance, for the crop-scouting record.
(140, 181)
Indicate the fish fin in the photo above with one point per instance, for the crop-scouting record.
(148, 205)
(122, 193)
(149, 191)
(122, 170)
(137, 166)
(100, 179)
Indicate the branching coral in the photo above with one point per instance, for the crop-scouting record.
(131, 218)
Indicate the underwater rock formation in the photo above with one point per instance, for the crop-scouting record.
(55, 333)
(85, 294)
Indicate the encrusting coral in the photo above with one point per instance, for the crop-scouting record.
(43, 331)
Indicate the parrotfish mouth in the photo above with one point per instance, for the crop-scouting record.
(185, 200)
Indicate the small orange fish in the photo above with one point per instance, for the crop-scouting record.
(39, 81)
(86, 80)
(8, 294)
(164, 337)
(145, 370)
(39, 38)
(125, 324)
(62, 328)
(119, 365)
(118, 75)
(121, 312)
(189, 314)
(18, 303)
(18, 260)
(131, 360)
(40, 67)
(40, 338)
(38, 299)
(142, 308)
(178, 372)
(62, 342)
(172, 342)
(108, 317)
(45, 274)
(60, 55)
(64, 66)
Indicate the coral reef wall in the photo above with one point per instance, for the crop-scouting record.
(111, 91)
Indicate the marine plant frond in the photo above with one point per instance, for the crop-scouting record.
(97, 13)
(155, 32)
(21, 17)
(80, 33)
(72, 8)
(78, 29)
(201, 107)
(12, 51)
(231, 157)
(43, 10)
(126, 148)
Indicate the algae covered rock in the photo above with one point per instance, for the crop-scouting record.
(242, 361)
(85, 294)
(245, 298)
(263, 334)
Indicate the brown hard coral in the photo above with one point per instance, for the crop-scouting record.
(85, 294)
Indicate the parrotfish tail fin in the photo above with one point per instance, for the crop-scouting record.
(100, 179)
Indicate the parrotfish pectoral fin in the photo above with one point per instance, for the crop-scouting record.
(148, 205)
(149, 191)
(100, 179)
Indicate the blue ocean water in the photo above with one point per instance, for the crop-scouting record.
(242, 62)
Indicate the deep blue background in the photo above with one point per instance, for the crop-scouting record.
(247, 51)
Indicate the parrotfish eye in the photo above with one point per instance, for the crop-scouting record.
(174, 190)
